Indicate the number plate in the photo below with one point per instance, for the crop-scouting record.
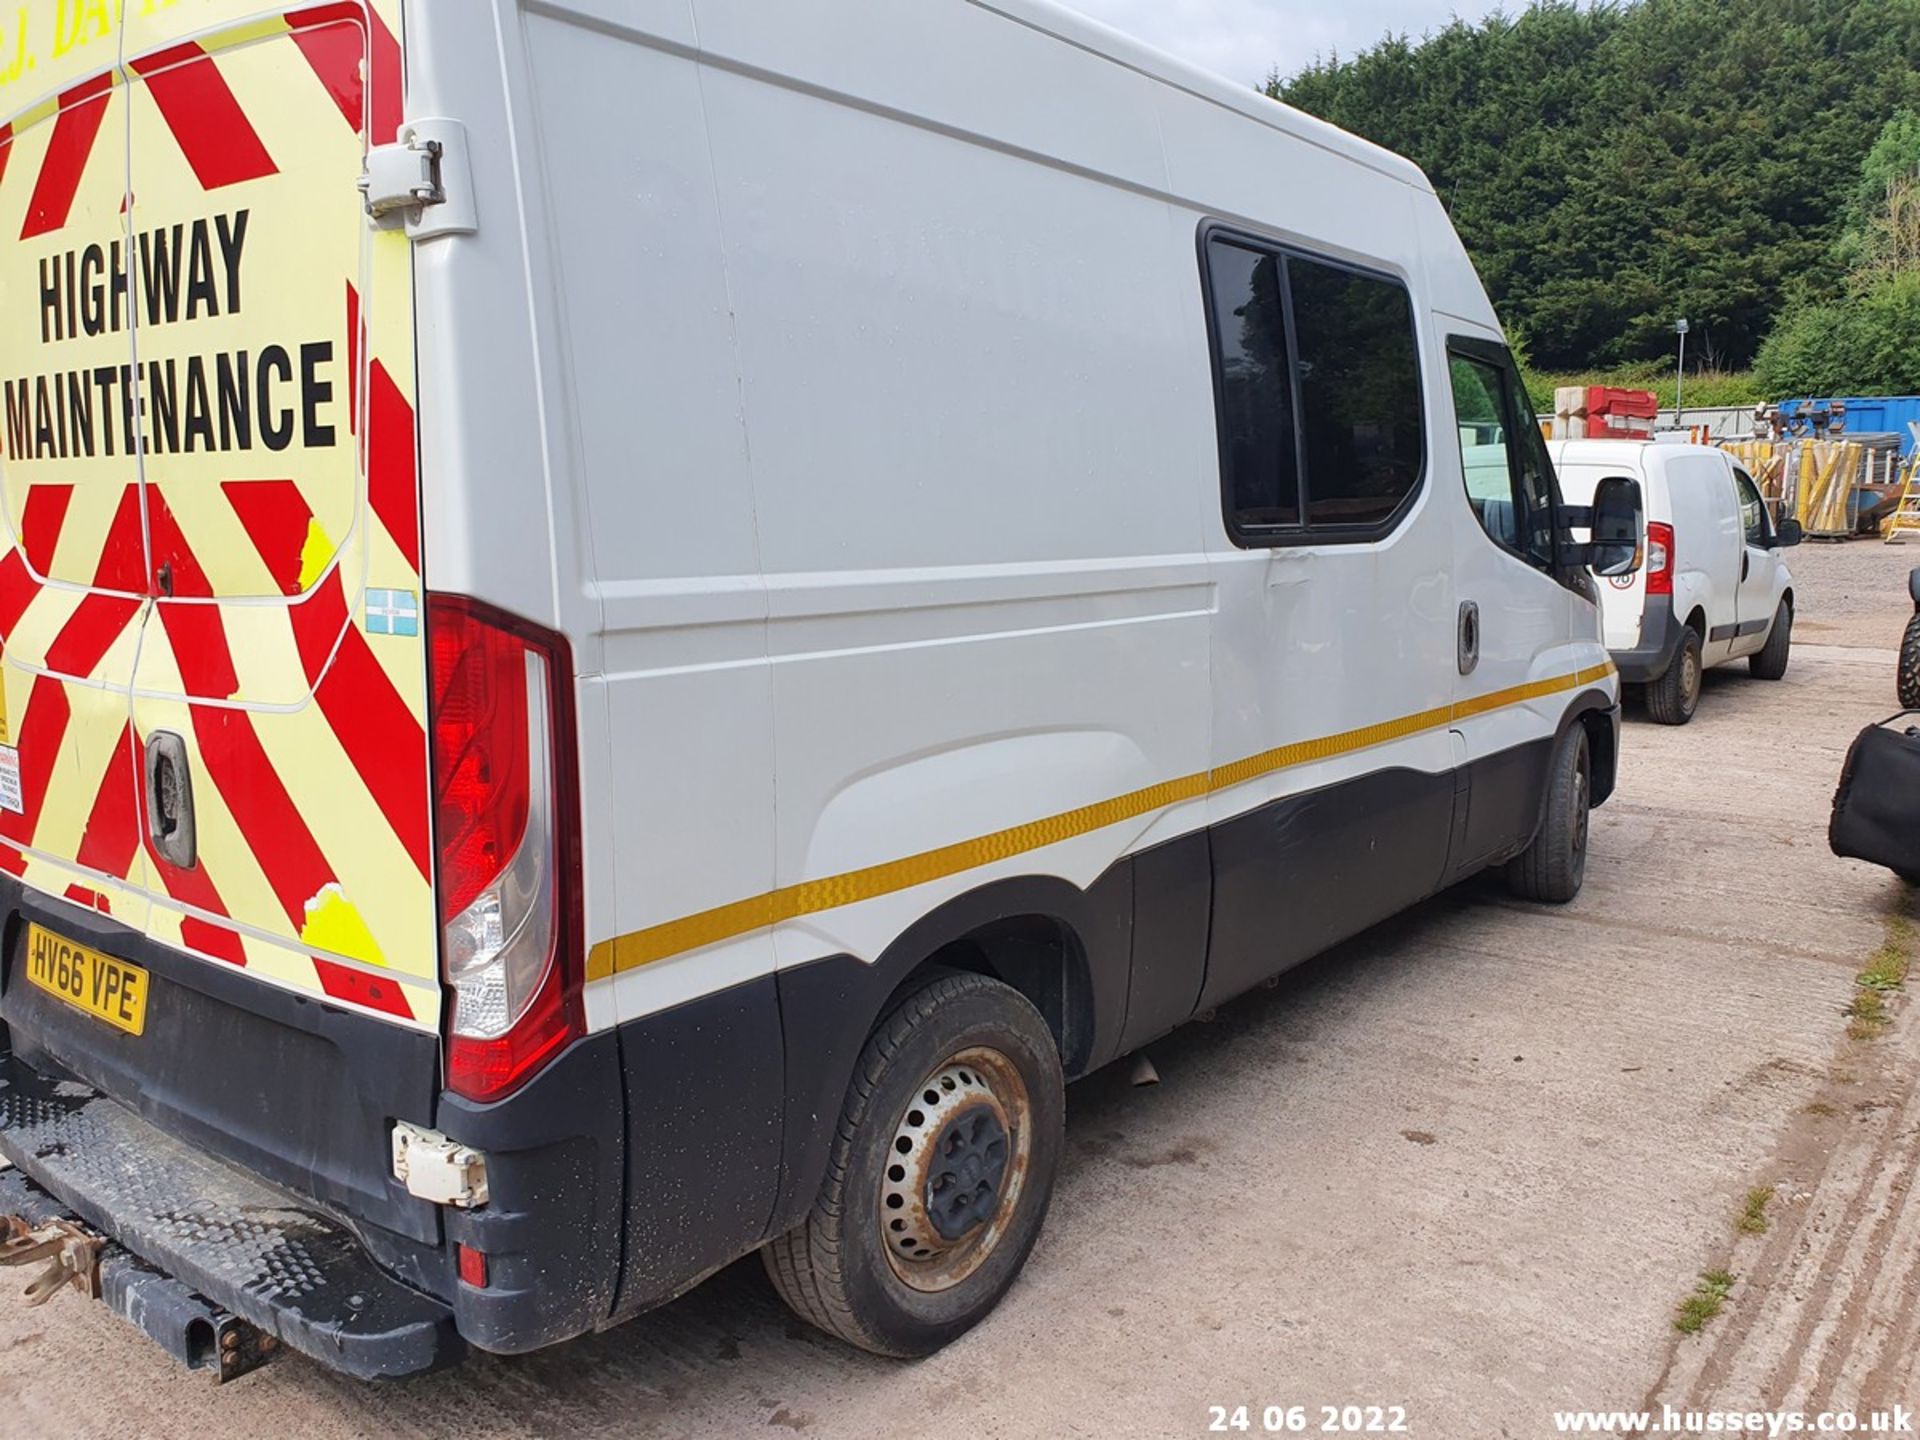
(106, 988)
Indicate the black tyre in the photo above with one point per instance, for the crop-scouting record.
(1674, 697)
(940, 1174)
(1910, 665)
(1553, 868)
(1769, 662)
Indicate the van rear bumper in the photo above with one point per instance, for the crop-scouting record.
(1660, 635)
(253, 1250)
(236, 1087)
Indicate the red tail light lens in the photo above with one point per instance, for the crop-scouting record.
(506, 808)
(1659, 558)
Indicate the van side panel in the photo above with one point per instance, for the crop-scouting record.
(972, 419)
(1708, 542)
(645, 395)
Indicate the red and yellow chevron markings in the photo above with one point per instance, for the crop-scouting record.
(302, 731)
(81, 110)
(213, 132)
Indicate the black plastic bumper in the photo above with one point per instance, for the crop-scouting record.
(255, 1251)
(236, 1087)
(1660, 635)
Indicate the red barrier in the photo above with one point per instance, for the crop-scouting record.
(1620, 414)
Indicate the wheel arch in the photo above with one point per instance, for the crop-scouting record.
(1066, 949)
(1596, 711)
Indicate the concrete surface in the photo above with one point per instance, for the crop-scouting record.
(1467, 1164)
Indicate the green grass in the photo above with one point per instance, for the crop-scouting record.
(1708, 390)
(1886, 974)
(1867, 1017)
(1886, 971)
(1706, 1301)
(1753, 1215)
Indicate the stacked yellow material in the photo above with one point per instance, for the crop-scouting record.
(1828, 471)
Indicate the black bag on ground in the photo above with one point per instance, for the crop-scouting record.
(1876, 811)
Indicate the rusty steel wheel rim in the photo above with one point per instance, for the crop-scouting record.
(955, 1169)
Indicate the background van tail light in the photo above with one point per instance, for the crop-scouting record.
(1659, 558)
(506, 826)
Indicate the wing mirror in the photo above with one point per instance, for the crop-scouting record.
(1614, 520)
(1787, 533)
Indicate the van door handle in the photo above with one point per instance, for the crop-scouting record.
(170, 799)
(1469, 636)
(1746, 564)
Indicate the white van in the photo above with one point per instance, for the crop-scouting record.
(631, 629)
(1715, 586)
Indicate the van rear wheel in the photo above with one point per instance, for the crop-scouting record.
(940, 1172)
(1554, 866)
(1672, 699)
(1769, 662)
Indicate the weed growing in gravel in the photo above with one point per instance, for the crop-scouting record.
(1753, 1215)
(1867, 1016)
(1886, 974)
(1704, 1303)
(1887, 970)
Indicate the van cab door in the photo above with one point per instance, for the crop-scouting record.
(1519, 650)
(1761, 585)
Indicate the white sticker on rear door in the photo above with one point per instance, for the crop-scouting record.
(10, 798)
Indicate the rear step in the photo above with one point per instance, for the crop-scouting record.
(201, 1249)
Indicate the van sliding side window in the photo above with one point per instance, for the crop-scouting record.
(1317, 391)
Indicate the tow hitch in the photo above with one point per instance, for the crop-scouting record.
(73, 1256)
(197, 1333)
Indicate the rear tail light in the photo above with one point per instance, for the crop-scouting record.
(506, 807)
(1659, 558)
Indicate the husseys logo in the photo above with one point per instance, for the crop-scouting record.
(268, 397)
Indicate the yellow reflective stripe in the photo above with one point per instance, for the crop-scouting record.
(809, 897)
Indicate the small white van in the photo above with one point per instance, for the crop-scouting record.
(632, 627)
(1715, 586)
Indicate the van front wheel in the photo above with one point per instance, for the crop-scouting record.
(1553, 868)
(939, 1175)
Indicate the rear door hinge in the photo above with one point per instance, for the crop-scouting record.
(422, 183)
(438, 1170)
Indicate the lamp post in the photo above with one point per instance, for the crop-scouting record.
(1680, 375)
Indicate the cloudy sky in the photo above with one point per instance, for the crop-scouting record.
(1244, 39)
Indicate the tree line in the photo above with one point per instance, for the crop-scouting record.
(1614, 166)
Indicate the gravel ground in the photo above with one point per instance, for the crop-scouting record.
(1467, 1164)
(1853, 592)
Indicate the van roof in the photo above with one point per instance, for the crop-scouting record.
(1075, 29)
(1600, 452)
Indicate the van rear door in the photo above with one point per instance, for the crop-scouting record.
(211, 606)
(73, 580)
(283, 659)
(1623, 598)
